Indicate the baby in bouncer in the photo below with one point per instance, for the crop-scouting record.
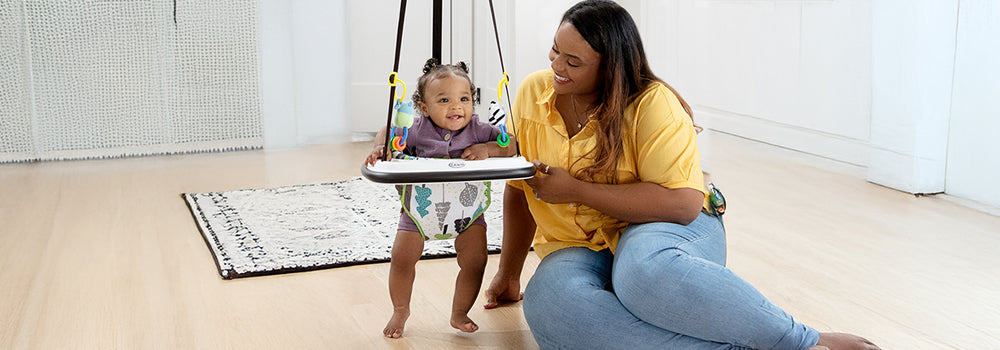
(448, 128)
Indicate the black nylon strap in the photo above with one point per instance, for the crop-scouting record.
(437, 49)
(510, 110)
(392, 78)
(436, 31)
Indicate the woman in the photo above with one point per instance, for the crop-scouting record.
(630, 257)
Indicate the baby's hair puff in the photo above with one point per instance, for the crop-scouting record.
(433, 69)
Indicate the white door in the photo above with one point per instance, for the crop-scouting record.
(467, 35)
(372, 44)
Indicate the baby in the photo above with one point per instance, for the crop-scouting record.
(447, 129)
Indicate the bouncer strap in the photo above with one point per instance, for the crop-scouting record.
(393, 77)
(510, 110)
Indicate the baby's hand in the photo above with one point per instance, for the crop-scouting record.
(476, 152)
(375, 155)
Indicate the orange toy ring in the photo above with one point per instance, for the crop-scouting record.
(398, 144)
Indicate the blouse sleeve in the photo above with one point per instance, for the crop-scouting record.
(666, 143)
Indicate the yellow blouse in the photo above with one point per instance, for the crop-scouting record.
(660, 146)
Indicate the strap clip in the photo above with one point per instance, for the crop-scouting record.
(393, 79)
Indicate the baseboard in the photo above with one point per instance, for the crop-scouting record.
(980, 206)
(362, 136)
(854, 152)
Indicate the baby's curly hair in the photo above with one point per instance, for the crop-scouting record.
(433, 69)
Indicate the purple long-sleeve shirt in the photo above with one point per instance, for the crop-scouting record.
(430, 141)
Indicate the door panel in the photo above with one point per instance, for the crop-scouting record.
(372, 39)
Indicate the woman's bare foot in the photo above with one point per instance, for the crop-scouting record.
(464, 323)
(843, 341)
(394, 329)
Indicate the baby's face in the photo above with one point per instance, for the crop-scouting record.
(448, 102)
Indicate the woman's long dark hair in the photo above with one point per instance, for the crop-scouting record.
(610, 30)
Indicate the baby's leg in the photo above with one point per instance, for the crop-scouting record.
(406, 250)
(471, 249)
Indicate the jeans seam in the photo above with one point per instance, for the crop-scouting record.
(687, 242)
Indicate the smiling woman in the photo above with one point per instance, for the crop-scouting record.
(575, 67)
(621, 202)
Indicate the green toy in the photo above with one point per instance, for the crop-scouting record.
(403, 118)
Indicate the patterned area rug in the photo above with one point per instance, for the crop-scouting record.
(309, 227)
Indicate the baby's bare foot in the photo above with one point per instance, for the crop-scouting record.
(394, 329)
(844, 341)
(464, 323)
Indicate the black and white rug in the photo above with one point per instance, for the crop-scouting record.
(308, 227)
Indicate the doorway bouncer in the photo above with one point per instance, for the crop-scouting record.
(396, 168)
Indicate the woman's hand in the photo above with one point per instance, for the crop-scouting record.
(554, 185)
(503, 288)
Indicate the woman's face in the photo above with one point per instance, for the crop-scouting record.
(448, 102)
(575, 63)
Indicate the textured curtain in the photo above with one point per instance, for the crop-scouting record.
(103, 79)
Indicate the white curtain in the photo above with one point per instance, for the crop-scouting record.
(99, 79)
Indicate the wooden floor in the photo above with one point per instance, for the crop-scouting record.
(105, 255)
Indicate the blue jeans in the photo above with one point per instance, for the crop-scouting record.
(666, 288)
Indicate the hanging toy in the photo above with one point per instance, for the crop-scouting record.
(402, 118)
(498, 117)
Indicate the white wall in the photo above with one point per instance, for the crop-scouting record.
(973, 167)
(536, 24)
(796, 74)
(902, 88)
(872, 84)
(303, 72)
(791, 73)
(913, 62)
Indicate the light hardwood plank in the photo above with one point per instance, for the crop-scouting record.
(104, 255)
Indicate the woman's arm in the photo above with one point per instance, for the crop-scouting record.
(518, 233)
(637, 202)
